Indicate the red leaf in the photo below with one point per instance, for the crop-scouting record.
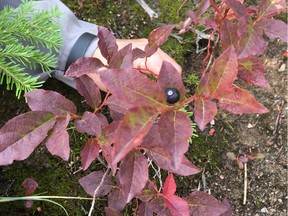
(112, 212)
(229, 211)
(135, 125)
(123, 58)
(274, 29)
(177, 205)
(49, 101)
(90, 182)
(30, 185)
(211, 131)
(143, 210)
(239, 101)
(89, 90)
(57, 142)
(269, 8)
(222, 74)
(107, 43)
(169, 77)
(148, 193)
(158, 37)
(133, 174)
(252, 70)
(169, 186)
(133, 88)
(22, 134)
(251, 41)
(89, 153)
(117, 108)
(117, 199)
(175, 130)
(163, 159)
(157, 205)
(204, 112)
(202, 7)
(83, 66)
(89, 124)
(152, 138)
(203, 204)
(228, 34)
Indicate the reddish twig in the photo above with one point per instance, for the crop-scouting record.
(103, 103)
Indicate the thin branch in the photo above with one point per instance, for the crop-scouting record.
(245, 184)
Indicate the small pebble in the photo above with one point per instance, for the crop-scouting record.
(282, 68)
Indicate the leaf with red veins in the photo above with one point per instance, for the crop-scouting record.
(130, 133)
(229, 34)
(83, 66)
(269, 8)
(89, 153)
(274, 29)
(89, 90)
(49, 101)
(163, 159)
(239, 101)
(22, 134)
(177, 205)
(108, 133)
(158, 37)
(133, 88)
(152, 138)
(204, 112)
(251, 70)
(222, 74)
(169, 186)
(133, 174)
(123, 58)
(91, 181)
(57, 142)
(117, 107)
(169, 77)
(203, 204)
(107, 43)
(157, 205)
(89, 123)
(175, 130)
(251, 41)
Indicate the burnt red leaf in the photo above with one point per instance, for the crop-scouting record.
(177, 205)
(228, 34)
(169, 77)
(49, 101)
(116, 200)
(57, 142)
(269, 8)
(239, 101)
(135, 125)
(91, 181)
(274, 29)
(107, 43)
(163, 159)
(143, 210)
(252, 70)
(89, 90)
(22, 134)
(133, 174)
(133, 88)
(89, 123)
(30, 186)
(222, 74)
(123, 58)
(204, 112)
(89, 152)
(203, 204)
(175, 130)
(169, 186)
(158, 37)
(83, 66)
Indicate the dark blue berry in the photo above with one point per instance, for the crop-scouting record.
(172, 95)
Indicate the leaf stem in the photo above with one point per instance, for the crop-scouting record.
(103, 103)
(215, 7)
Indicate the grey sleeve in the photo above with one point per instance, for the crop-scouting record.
(72, 28)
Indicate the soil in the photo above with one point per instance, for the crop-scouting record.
(240, 134)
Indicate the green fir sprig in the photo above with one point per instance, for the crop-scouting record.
(28, 37)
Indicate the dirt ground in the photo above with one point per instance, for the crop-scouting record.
(241, 134)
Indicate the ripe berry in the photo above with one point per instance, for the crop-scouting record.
(172, 95)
